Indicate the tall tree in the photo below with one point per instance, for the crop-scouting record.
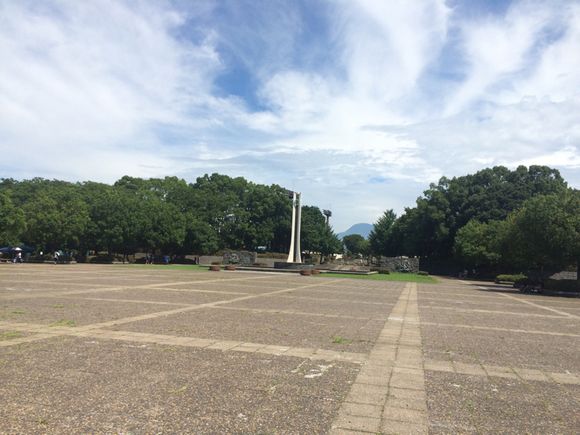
(546, 231)
(379, 236)
(355, 244)
(12, 222)
(317, 236)
(429, 228)
(481, 244)
(57, 218)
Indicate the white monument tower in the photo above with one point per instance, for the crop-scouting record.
(294, 254)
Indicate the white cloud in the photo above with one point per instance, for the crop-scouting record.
(497, 47)
(96, 90)
(556, 76)
(567, 157)
(387, 45)
(96, 76)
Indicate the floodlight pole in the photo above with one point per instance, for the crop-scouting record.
(328, 214)
(294, 254)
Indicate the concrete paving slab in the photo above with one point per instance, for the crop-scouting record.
(446, 358)
(159, 295)
(462, 403)
(267, 328)
(530, 351)
(77, 385)
(71, 312)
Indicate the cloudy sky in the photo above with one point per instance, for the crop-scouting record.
(357, 104)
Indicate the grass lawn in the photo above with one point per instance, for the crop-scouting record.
(404, 277)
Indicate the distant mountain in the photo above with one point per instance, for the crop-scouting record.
(362, 229)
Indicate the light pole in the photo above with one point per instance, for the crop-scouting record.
(328, 214)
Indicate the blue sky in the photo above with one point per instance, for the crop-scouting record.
(357, 104)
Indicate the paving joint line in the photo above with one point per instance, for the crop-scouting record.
(523, 301)
(511, 313)
(44, 332)
(508, 372)
(292, 312)
(492, 328)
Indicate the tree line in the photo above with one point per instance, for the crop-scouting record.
(164, 215)
(494, 220)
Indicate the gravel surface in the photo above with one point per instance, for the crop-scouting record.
(52, 382)
(548, 352)
(265, 328)
(46, 311)
(470, 404)
(319, 304)
(66, 385)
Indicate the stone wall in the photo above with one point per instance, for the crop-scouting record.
(243, 258)
(399, 264)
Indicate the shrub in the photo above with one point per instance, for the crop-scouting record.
(182, 260)
(423, 273)
(515, 279)
(102, 259)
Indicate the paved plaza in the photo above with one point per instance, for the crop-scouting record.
(139, 350)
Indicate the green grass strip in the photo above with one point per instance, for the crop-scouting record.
(400, 277)
(194, 267)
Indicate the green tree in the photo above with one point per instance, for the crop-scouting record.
(57, 218)
(12, 222)
(481, 244)
(429, 228)
(163, 228)
(329, 243)
(545, 232)
(355, 244)
(379, 236)
(200, 237)
(317, 236)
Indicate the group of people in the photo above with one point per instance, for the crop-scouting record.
(150, 259)
(17, 258)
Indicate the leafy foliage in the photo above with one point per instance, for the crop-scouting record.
(481, 243)
(546, 231)
(510, 278)
(356, 244)
(12, 223)
(160, 214)
(496, 218)
(430, 228)
(317, 236)
(379, 237)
